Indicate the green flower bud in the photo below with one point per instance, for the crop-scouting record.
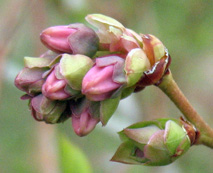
(154, 143)
(73, 68)
(135, 64)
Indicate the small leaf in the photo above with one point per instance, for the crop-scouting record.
(108, 107)
(94, 109)
(32, 62)
(127, 92)
(124, 153)
(41, 62)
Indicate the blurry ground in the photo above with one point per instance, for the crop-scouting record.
(185, 27)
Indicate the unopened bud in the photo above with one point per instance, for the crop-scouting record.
(54, 88)
(153, 47)
(103, 79)
(30, 80)
(135, 64)
(73, 38)
(153, 143)
(84, 118)
(44, 109)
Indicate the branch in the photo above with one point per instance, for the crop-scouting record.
(171, 89)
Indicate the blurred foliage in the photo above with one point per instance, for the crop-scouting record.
(185, 27)
(72, 159)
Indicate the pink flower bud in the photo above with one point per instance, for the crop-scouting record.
(74, 39)
(56, 38)
(84, 123)
(103, 79)
(54, 88)
(85, 115)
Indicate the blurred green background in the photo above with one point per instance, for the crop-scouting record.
(185, 27)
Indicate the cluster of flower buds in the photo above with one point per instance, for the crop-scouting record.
(86, 72)
(155, 143)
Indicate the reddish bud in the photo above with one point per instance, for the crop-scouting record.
(54, 88)
(85, 115)
(104, 78)
(56, 38)
(30, 80)
(84, 123)
(74, 39)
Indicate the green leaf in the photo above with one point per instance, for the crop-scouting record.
(32, 62)
(124, 154)
(127, 92)
(108, 107)
(72, 159)
(40, 62)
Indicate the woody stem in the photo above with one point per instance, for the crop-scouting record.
(171, 89)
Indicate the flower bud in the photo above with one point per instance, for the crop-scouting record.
(155, 75)
(44, 109)
(84, 116)
(30, 80)
(153, 143)
(113, 36)
(65, 78)
(135, 64)
(104, 78)
(73, 38)
(153, 47)
(73, 68)
(159, 59)
(144, 67)
(84, 123)
(54, 88)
